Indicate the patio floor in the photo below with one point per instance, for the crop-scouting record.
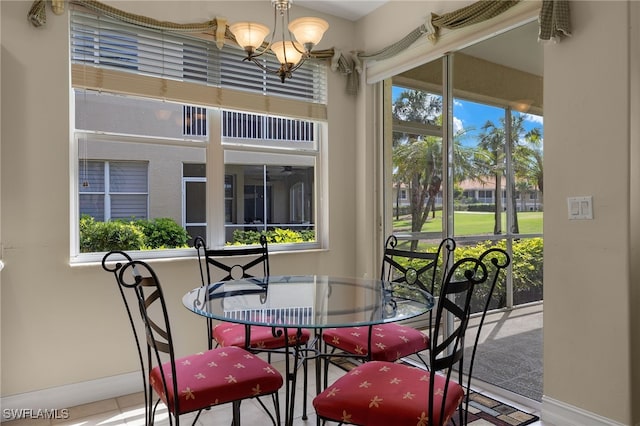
(509, 354)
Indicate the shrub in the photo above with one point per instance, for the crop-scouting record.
(139, 234)
(527, 265)
(111, 235)
(274, 236)
(163, 232)
(481, 207)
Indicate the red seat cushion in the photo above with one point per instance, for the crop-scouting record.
(231, 334)
(381, 393)
(389, 342)
(215, 377)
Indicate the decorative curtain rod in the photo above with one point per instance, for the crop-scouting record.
(553, 25)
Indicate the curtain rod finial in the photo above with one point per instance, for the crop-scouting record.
(57, 6)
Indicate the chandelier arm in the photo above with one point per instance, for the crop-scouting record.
(261, 65)
(264, 47)
(298, 65)
(283, 35)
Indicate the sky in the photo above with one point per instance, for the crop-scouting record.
(471, 116)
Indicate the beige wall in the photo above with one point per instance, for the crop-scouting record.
(63, 325)
(57, 320)
(634, 290)
(587, 353)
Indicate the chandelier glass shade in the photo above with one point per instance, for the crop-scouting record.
(298, 37)
(249, 35)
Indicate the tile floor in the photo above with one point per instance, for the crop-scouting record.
(129, 410)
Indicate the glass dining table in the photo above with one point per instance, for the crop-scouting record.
(307, 301)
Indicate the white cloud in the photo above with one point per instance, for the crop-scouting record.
(534, 118)
(457, 125)
(457, 103)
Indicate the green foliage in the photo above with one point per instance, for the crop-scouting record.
(245, 237)
(106, 236)
(481, 207)
(163, 232)
(526, 267)
(137, 234)
(526, 264)
(274, 236)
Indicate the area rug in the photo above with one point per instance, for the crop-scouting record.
(483, 410)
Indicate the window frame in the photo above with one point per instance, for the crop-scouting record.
(226, 149)
(90, 73)
(215, 150)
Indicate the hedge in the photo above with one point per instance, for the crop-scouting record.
(135, 234)
(527, 268)
(274, 236)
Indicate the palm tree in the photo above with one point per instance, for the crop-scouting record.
(417, 158)
(490, 158)
(526, 157)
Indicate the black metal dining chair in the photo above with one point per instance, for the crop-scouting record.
(247, 262)
(380, 393)
(393, 341)
(190, 383)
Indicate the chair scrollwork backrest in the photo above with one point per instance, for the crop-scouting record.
(221, 265)
(139, 285)
(420, 268)
(424, 269)
(466, 277)
(211, 261)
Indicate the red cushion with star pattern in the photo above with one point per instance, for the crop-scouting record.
(379, 393)
(215, 377)
(389, 342)
(230, 334)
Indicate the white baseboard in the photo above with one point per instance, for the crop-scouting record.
(558, 413)
(75, 394)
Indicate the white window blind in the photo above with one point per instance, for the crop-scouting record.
(110, 44)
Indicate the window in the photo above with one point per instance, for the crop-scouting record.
(194, 121)
(270, 165)
(113, 189)
(485, 196)
(189, 165)
(492, 152)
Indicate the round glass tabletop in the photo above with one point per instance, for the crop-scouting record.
(308, 301)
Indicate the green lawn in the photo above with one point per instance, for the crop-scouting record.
(475, 223)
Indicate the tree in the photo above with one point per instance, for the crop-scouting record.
(417, 106)
(418, 162)
(417, 157)
(490, 158)
(526, 159)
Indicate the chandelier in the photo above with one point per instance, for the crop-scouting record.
(290, 53)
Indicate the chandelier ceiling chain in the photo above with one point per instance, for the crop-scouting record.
(292, 51)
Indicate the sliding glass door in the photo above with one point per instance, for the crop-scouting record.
(466, 147)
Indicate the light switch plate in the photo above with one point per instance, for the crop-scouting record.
(580, 207)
